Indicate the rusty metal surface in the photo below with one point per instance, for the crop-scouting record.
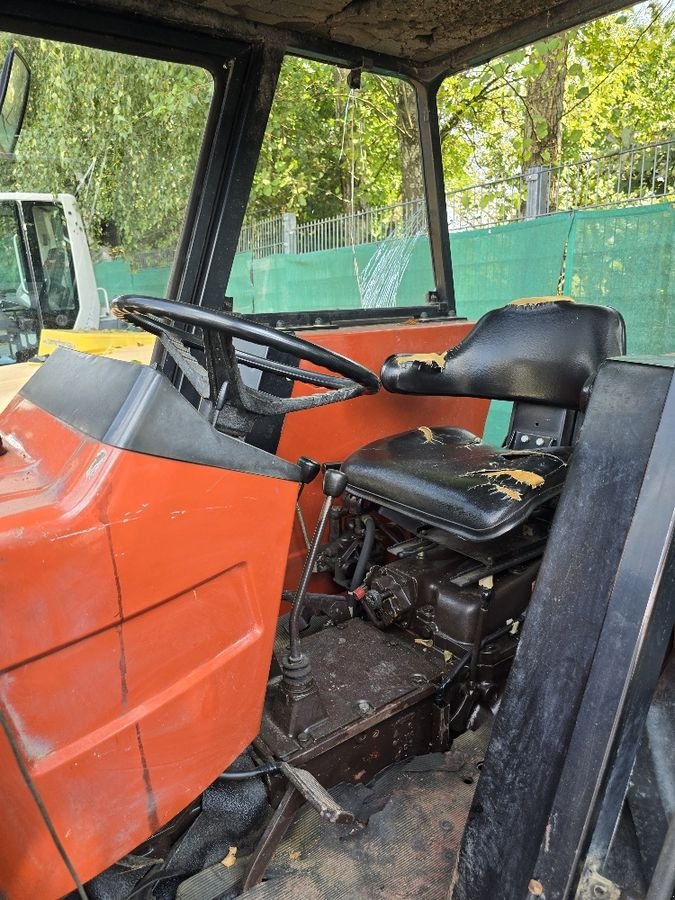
(355, 664)
(414, 814)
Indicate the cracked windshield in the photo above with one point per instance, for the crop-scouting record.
(93, 195)
(336, 219)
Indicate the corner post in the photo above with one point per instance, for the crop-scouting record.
(434, 188)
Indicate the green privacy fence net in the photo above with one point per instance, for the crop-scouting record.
(627, 260)
(623, 258)
(116, 277)
(326, 279)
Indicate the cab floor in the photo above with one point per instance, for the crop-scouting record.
(413, 815)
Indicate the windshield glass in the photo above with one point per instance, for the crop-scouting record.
(336, 219)
(53, 263)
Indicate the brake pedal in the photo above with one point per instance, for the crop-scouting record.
(317, 795)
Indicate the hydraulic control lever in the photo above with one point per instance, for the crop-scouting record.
(334, 483)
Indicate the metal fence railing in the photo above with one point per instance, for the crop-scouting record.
(636, 175)
(489, 203)
(644, 174)
(263, 237)
(363, 227)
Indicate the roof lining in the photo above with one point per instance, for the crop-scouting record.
(196, 20)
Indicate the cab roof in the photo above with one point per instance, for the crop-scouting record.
(424, 37)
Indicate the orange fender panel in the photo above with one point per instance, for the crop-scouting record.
(140, 597)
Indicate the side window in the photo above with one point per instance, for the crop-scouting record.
(53, 262)
(336, 219)
(100, 176)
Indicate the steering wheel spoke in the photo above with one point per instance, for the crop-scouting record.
(219, 381)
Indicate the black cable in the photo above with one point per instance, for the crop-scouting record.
(267, 769)
(364, 555)
(40, 805)
(151, 884)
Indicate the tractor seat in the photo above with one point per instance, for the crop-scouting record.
(449, 478)
(543, 354)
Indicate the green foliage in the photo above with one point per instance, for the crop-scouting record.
(618, 91)
(328, 150)
(124, 130)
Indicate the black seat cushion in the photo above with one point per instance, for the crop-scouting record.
(449, 478)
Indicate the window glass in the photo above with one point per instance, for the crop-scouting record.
(95, 192)
(559, 163)
(336, 219)
(53, 263)
(18, 319)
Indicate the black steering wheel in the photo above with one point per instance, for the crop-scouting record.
(219, 380)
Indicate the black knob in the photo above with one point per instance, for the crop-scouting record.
(334, 482)
(309, 469)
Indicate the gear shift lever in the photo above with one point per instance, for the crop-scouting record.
(334, 483)
(298, 704)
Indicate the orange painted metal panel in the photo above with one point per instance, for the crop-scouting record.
(139, 601)
(330, 433)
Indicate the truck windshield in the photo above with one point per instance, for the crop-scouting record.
(53, 263)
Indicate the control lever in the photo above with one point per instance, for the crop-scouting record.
(297, 705)
(314, 792)
(309, 469)
(334, 483)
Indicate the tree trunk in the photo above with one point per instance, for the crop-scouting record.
(412, 181)
(542, 131)
(348, 150)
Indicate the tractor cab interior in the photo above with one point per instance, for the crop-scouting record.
(256, 588)
(523, 352)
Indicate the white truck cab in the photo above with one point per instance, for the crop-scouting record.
(46, 273)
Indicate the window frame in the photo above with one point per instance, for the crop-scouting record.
(245, 76)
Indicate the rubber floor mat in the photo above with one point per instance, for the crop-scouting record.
(413, 815)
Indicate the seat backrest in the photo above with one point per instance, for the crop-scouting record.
(538, 350)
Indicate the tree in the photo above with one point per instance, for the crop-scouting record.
(121, 131)
(329, 150)
(620, 89)
(591, 90)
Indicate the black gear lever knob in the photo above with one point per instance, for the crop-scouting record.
(309, 469)
(334, 482)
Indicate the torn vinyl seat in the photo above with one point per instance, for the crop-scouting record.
(541, 353)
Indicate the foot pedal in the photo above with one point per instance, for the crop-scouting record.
(213, 882)
(316, 795)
